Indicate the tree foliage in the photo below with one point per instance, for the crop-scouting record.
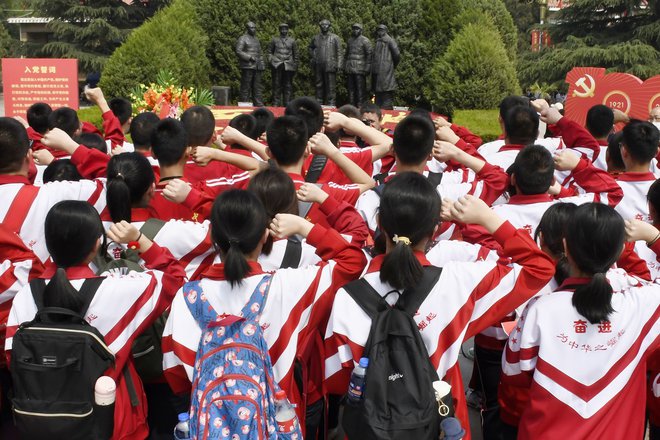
(171, 40)
(500, 16)
(474, 72)
(90, 30)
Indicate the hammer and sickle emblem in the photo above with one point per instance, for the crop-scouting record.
(588, 90)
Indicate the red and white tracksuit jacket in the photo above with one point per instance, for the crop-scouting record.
(23, 207)
(298, 303)
(585, 380)
(467, 298)
(122, 308)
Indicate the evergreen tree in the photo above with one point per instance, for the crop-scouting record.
(90, 30)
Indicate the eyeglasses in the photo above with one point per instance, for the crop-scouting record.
(368, 122)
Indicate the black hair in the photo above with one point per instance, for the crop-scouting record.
(238, 223)
(72, 230)
(510, 102)
(37, 116)
(600, 120)
(129, 177)
(553, 226)
(199, 123)
(287, 139)
(334, 137)
(14, 145)
(653, 197)
(169, 141)
(534, 169)
(277, 193)
(122, 109)
(521, 125)
(246, 124)
(142, 126)
(264, 118)
(641, 140)
(93, 140)
(349, 111)
(613, 152)
(409, 207)
(594, 240)
(64, 118)
(309, 110)
(371, 108)
(61, 170)
(421, 112)
(413, 140)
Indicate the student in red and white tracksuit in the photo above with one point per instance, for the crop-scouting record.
(298, 301)
(466, 299)
(582, 350)
(122, 308)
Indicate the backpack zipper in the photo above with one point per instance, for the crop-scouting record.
(99, 340)
(260, 417)
(28, 413)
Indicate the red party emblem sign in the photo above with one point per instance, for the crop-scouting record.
(589, 86)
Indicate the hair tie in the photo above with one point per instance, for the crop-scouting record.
(403, 240)
(234, 242)
(119, 176)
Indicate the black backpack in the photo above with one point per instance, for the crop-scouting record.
(55, 362)
(398, 401)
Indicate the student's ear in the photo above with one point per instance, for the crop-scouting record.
(513, 179)
(211, 141)
(149, 195)
(653, 213)
(188, 152)
(268, 153)
(624, 152)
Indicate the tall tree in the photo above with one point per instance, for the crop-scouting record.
(90, 30)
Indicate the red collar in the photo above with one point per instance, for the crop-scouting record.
(217, 271)
(13, 178)
(377, 262)
(636, 177)
(143, 214)
(526, 199)
(571, 282)
(73, 272)
(512, 147)
(295, 176)
(162, 184)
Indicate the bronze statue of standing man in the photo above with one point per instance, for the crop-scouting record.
(357, 65)
(283, 57)
(386, 58)
(252, 66)
(325, 53)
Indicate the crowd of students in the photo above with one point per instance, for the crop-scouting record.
(548, 239)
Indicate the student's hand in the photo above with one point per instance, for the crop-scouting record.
(117, 150)
(620, 116)
(444, 151)
(230, 136)
(566, 161)
(218, 142)
(23, 122)
(446, 134)
(59, 140)
(445, 210)
(551, 116)
(333, 121)
(472, 210)
(42, 157)
(539, 105)
(95, 95)
(123, 232)
(203, 155)
(286, 225)
(440, 122)
(640, 230)
(321, 144)
(176, 191)
(311, 193)
(555, 188)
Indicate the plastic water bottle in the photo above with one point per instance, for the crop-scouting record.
(358, 381)
(105, 391)
(182, 429)
(285, 414)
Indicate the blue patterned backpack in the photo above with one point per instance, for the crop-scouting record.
(233, 388)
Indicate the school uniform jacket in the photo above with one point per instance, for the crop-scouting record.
(585, 380)
(298, 303)
(122, 308)
(466, 299)
(362, 157)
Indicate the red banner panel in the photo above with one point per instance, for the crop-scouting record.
(30, 80)
(588, 86)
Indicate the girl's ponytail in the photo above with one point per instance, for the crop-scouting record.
(400, 267)
(60, 293)
(118, 198)
(130, 176)
(594, 300)
(236, 265)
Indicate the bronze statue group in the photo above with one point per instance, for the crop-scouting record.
(359, 61)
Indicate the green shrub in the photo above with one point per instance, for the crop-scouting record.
(91, 115)
(474, 72)
(480, 122)
(171, 40)
(497, 14)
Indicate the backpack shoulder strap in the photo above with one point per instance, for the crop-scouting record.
(258, 296)
(379, 189)
(434, 178)
(152, 227)
(366, 297)
(88, 289)
(37, 287)
(412, 298)
(305, 207)
(292, 254)
(316, 168)
(20, 207)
